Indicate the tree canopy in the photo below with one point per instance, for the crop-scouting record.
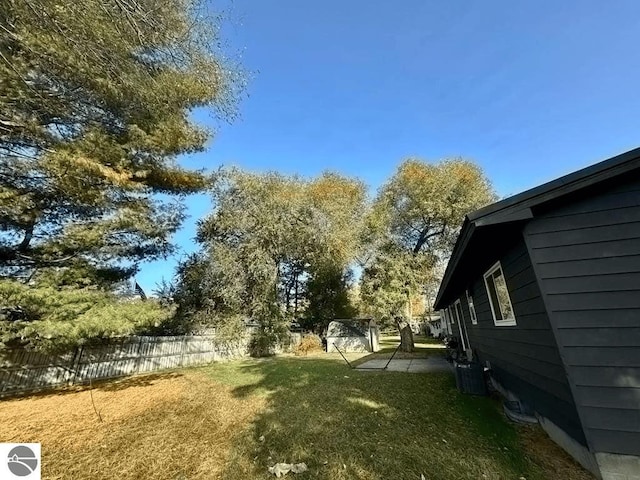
(272, 243)
(95, 99)
(53, 319)
(422, 206)
(281, 247)
(95, 105)
(413, 224)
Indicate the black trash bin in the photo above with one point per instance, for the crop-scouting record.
(470, 378)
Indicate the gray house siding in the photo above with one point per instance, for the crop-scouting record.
(524, 358)
(587, 257)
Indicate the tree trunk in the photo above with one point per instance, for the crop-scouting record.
(28, 235)
(406, 335)
(296, 294)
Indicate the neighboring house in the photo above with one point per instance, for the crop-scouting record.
(543, 288)
(437, 326)
(418, 325)
(353, 335)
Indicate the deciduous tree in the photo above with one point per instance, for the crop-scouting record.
(413, 224)
(267, 229)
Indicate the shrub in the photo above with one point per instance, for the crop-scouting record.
(309, 343)
(59, 320)
(262, 343)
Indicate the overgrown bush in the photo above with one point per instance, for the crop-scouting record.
(57, 320)
(309, 343)
(262, 343)
(270, 334)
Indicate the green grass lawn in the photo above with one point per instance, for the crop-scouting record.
(233, 420)
(347, 424)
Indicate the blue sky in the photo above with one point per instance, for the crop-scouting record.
(528, 90)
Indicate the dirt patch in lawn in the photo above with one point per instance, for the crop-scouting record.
(157, 426)
(549, 456)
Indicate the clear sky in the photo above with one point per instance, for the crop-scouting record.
(530, 90)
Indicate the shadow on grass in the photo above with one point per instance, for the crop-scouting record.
(104, 384)
(143, 380)
(346, 424)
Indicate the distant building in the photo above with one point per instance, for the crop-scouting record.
(437, 326)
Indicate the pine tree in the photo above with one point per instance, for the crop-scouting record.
(95, 97)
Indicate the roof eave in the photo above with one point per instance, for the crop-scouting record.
(582, 178)
(466, 232)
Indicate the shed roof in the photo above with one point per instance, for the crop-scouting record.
(353, 327)
(510, 213)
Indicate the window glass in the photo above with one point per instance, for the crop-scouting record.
(463, 332)
(502, 294)
(499, 296)
(472, 309)
(493, 297)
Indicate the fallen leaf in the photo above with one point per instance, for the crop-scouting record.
(280, 469)
(299, 467)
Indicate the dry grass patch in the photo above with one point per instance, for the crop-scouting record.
(232, 421)
(551, 458)
(309, 344)
(168, 426)
(67, 418)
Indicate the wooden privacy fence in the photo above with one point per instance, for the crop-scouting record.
(25, 371)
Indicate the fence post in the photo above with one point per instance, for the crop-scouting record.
(70, 369)
(183, 343)
(77, 365)
(139, 359)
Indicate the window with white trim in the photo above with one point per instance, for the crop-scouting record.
(472, 309)
(499, 300)
(457, 308)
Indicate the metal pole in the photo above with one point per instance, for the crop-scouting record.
(394, 354)
(336, 347)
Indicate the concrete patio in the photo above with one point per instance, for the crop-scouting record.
(414, 365)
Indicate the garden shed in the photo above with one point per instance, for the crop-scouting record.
(353, 335)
